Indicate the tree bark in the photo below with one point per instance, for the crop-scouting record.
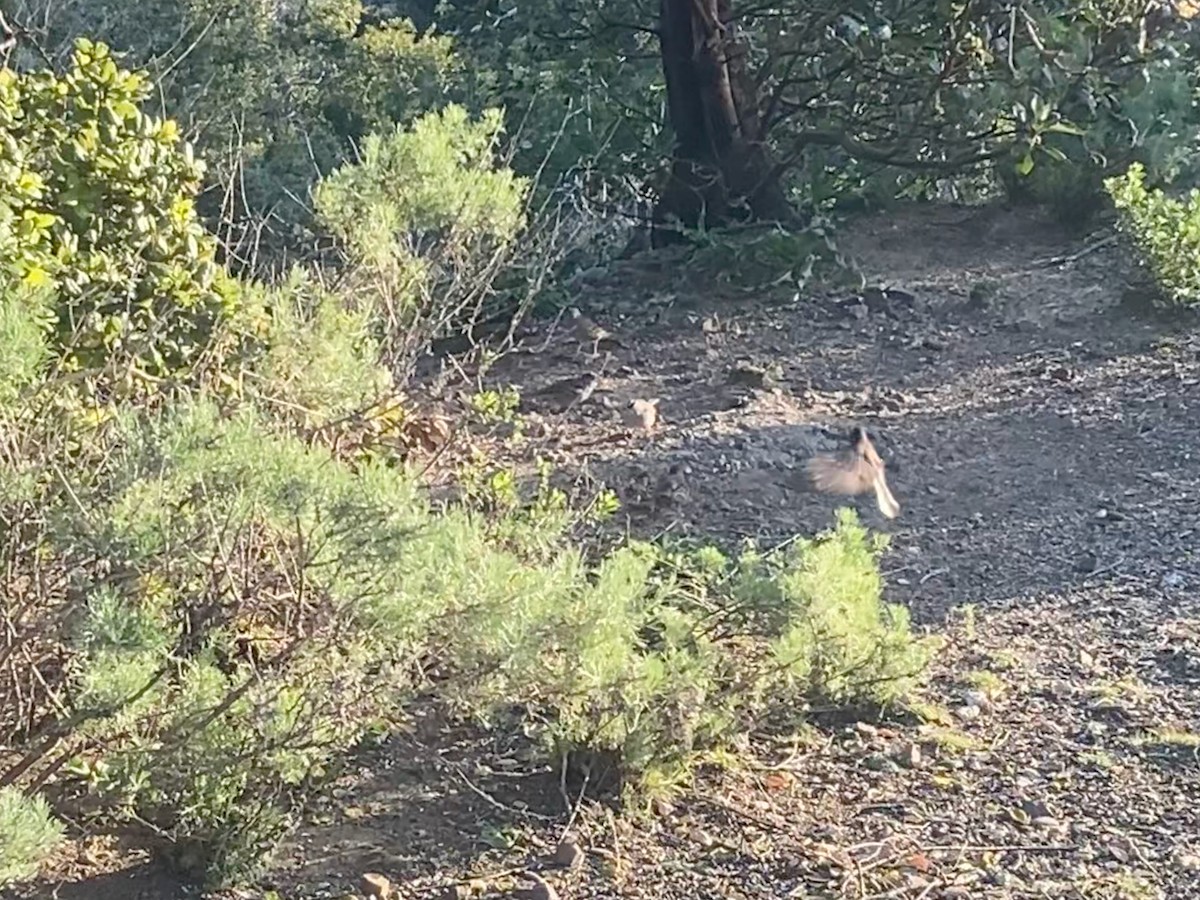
(721, 170)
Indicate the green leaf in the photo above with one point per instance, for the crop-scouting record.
(1065, 128)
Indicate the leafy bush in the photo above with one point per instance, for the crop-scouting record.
(218, 679)
(661, 656)
(28, 833)
(427, 219)
(25, 319)
(97, 202)
(1142, 110)
(321, 359)
(1165, 231)
(247, 607)
(840, 639)
(274, 94)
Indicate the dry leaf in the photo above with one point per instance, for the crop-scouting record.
(777, 781)
(920, 862)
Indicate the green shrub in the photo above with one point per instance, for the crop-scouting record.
(1165, 231)
(237, 646)
(427, 219)
(321, 358)
(1110, 99)
(28, 833)
(659, 657)
(97, 201)
(274, 94)
(245, 608)
(25, 319)
(841, 641)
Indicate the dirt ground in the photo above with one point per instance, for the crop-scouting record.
(1041, 438)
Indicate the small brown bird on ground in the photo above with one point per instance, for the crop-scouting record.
(640, 414)
(566, 393)
(588, 332)
(857, 469)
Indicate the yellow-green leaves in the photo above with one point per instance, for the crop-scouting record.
(1165, 230)
(97, 202)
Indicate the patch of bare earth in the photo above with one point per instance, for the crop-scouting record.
(1042, 442)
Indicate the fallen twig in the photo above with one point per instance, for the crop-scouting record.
(512, 810)
(1078, 255)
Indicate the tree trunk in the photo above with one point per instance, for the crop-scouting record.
(721, 171)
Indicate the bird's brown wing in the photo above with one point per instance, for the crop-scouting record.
(837, 475)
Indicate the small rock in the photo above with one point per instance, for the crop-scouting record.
(372, 884)
(663, 808)
(976, 698)
(454, 892)
(877, 762)
(1122, 849)
(1035, 809)
(568, 855)
(1189, 862)
(968, 712)
(541, 890)
(1173, 580)
(910, 755)
(703, 838)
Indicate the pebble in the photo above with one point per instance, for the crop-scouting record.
(372, 884)
(878, 762)
(1189, 862)
(1048, 822)
(541, 890)
(1036, 809)
(976, 698)
(569, 855)
(663, 808)
(1122, 849)
(910, 755)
